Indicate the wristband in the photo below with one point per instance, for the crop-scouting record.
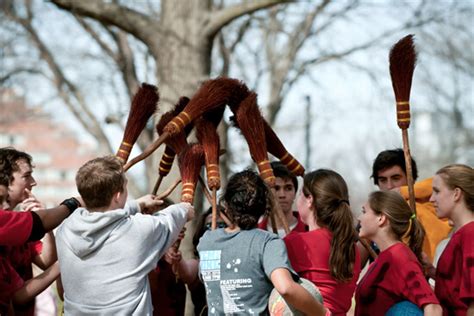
(72, 204)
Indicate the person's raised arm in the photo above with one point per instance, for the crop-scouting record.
(294, 294)
(51, 218)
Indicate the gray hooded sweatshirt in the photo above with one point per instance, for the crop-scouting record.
(105, 258)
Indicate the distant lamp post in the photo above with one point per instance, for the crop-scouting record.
(307, 129)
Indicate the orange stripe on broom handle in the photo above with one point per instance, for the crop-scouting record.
(124, 151)
(166, 162)
(403, 114)
(164, 170)
(266, 172)
(181, 121)
(187, 193)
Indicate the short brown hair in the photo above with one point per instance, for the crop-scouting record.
(99, 179)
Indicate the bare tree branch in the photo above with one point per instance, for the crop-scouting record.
(226, 15)
(89, 29)
(136, 23)
(66, 88)
(17, 71)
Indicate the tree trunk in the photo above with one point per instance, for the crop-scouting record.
(183, 53)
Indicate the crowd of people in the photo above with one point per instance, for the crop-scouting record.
(111, 255)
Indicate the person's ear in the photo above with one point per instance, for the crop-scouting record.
(116, 196)
(382, 219)
(457, 194)
(309, 201)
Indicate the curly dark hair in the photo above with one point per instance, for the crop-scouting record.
(9, 158)
(246, 198)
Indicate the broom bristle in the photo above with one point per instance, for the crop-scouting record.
(402, 65)
(212, 94)
(250, 122)
(277, 149)
(207, 135)
(402, 59)
(143, 106)
(190, 161)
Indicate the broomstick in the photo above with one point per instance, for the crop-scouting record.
(402, 65)
(174, 144)
(190, 161)
(207, 135)
(277, 149)
(143, 106)
(212, 94)
(250, 122)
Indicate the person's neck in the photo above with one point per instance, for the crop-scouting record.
(383, 240)
(461, 216)
(312, 224)
(232, 229)
(100, 209)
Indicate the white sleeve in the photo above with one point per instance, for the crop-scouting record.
(132, 207)
(167, 225)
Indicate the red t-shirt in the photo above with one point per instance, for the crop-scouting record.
(10, 281)
(309, 256)
(15, 227)
(21, 259)
(300, 226)
(455, 272)
(396, 275)
(168, 293)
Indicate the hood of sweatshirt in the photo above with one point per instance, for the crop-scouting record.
(84, 232)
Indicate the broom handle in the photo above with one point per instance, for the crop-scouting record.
(157, 184)
(279, 216)
(406, 152)
(367, 246)
(273, 223)
(206, 191)
(147, 152)
(169, 190)
(214, 208)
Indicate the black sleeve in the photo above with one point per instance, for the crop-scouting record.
(37, 230)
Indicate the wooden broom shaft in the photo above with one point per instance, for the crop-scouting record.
(367, 246)
(214, 209)
(279, 216)
(147, 152)
(206, 191)
(169, 190)
(406, 151)
(273, 223)
(157, 184)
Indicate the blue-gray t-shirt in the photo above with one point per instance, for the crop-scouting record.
(236, 268)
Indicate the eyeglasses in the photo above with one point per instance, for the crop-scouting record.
(219, 225)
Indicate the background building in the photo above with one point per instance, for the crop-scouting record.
(56, 150)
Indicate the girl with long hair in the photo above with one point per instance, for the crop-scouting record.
(327, 254)
(240, 265)
(453, 198)
(396, 275)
